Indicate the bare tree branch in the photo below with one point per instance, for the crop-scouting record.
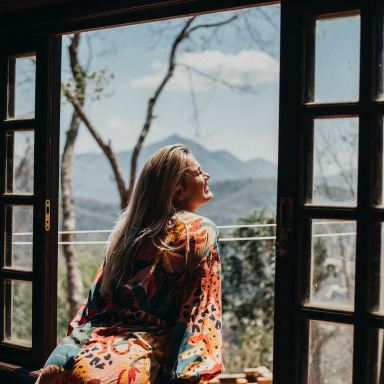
(105, 147)
(22, 173)
(217, 79)
(255, 35)
(213, 25)
(195, 114)
(183, 35)
(152, 101)
(90, 54)
(269, 19)
(75, 287)
(335, 155)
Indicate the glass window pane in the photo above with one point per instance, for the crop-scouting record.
(377, 161)
(377, 357)
(332, 269)
(335, 157)
(337, 53)
(18, 312)
(21, 86)
(18, 237)
(20, 162)
(330, 353)
(379, 58)
(377, 269)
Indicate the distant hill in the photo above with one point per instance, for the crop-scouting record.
(239, 186)
(93, 179)
(232, 199)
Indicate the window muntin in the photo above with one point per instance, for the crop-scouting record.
(333, 98)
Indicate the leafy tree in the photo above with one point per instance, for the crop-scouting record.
(84, 85)
(248, 294)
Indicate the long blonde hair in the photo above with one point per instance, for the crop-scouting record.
(147, 214)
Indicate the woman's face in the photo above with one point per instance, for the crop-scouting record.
(194, 191)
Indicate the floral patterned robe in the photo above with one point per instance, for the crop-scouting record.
(164, 323)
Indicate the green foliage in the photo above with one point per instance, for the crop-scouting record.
(91, 86)
(248, 294)
(90, 259)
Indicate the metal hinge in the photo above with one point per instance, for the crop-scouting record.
(47, 215)
(284, 225)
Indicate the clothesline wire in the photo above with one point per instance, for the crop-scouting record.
(221, 239)
(272, 225)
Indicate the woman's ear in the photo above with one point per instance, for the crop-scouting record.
(179, 194)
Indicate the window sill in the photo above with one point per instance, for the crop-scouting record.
(14, 374)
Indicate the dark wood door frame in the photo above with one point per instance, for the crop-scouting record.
(45, 128)
(291, 317)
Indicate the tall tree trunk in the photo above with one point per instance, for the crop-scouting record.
(315, 375)
(75, 287)
(77, 101)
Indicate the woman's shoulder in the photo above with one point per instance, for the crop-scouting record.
(192, 218)
(195, 223)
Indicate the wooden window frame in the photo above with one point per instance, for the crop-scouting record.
(45, 126)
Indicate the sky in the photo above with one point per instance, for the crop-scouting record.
(216, 114)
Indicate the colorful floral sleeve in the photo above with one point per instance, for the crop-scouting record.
(196, 340)
(91, 305)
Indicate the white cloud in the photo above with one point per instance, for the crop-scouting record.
(246, 68)
(116, 124)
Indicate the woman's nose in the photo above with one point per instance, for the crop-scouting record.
(207, 175)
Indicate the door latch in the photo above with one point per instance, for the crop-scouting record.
(285, 225)
(47, 215)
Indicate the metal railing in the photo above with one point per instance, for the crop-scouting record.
(104, 242)
(221, 239)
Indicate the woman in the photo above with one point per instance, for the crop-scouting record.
(153, 314)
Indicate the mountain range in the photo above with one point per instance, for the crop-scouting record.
(93, 178)
(239, 187)
(232, 199)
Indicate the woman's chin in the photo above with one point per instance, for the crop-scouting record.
(209, 195)
(205, 198)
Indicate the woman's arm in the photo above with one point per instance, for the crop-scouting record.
(91, 305)
(197, 341)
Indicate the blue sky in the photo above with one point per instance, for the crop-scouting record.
(243, 123)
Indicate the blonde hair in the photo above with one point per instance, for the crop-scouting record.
(147, 214)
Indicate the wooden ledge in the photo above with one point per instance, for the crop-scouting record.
(15, 374)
